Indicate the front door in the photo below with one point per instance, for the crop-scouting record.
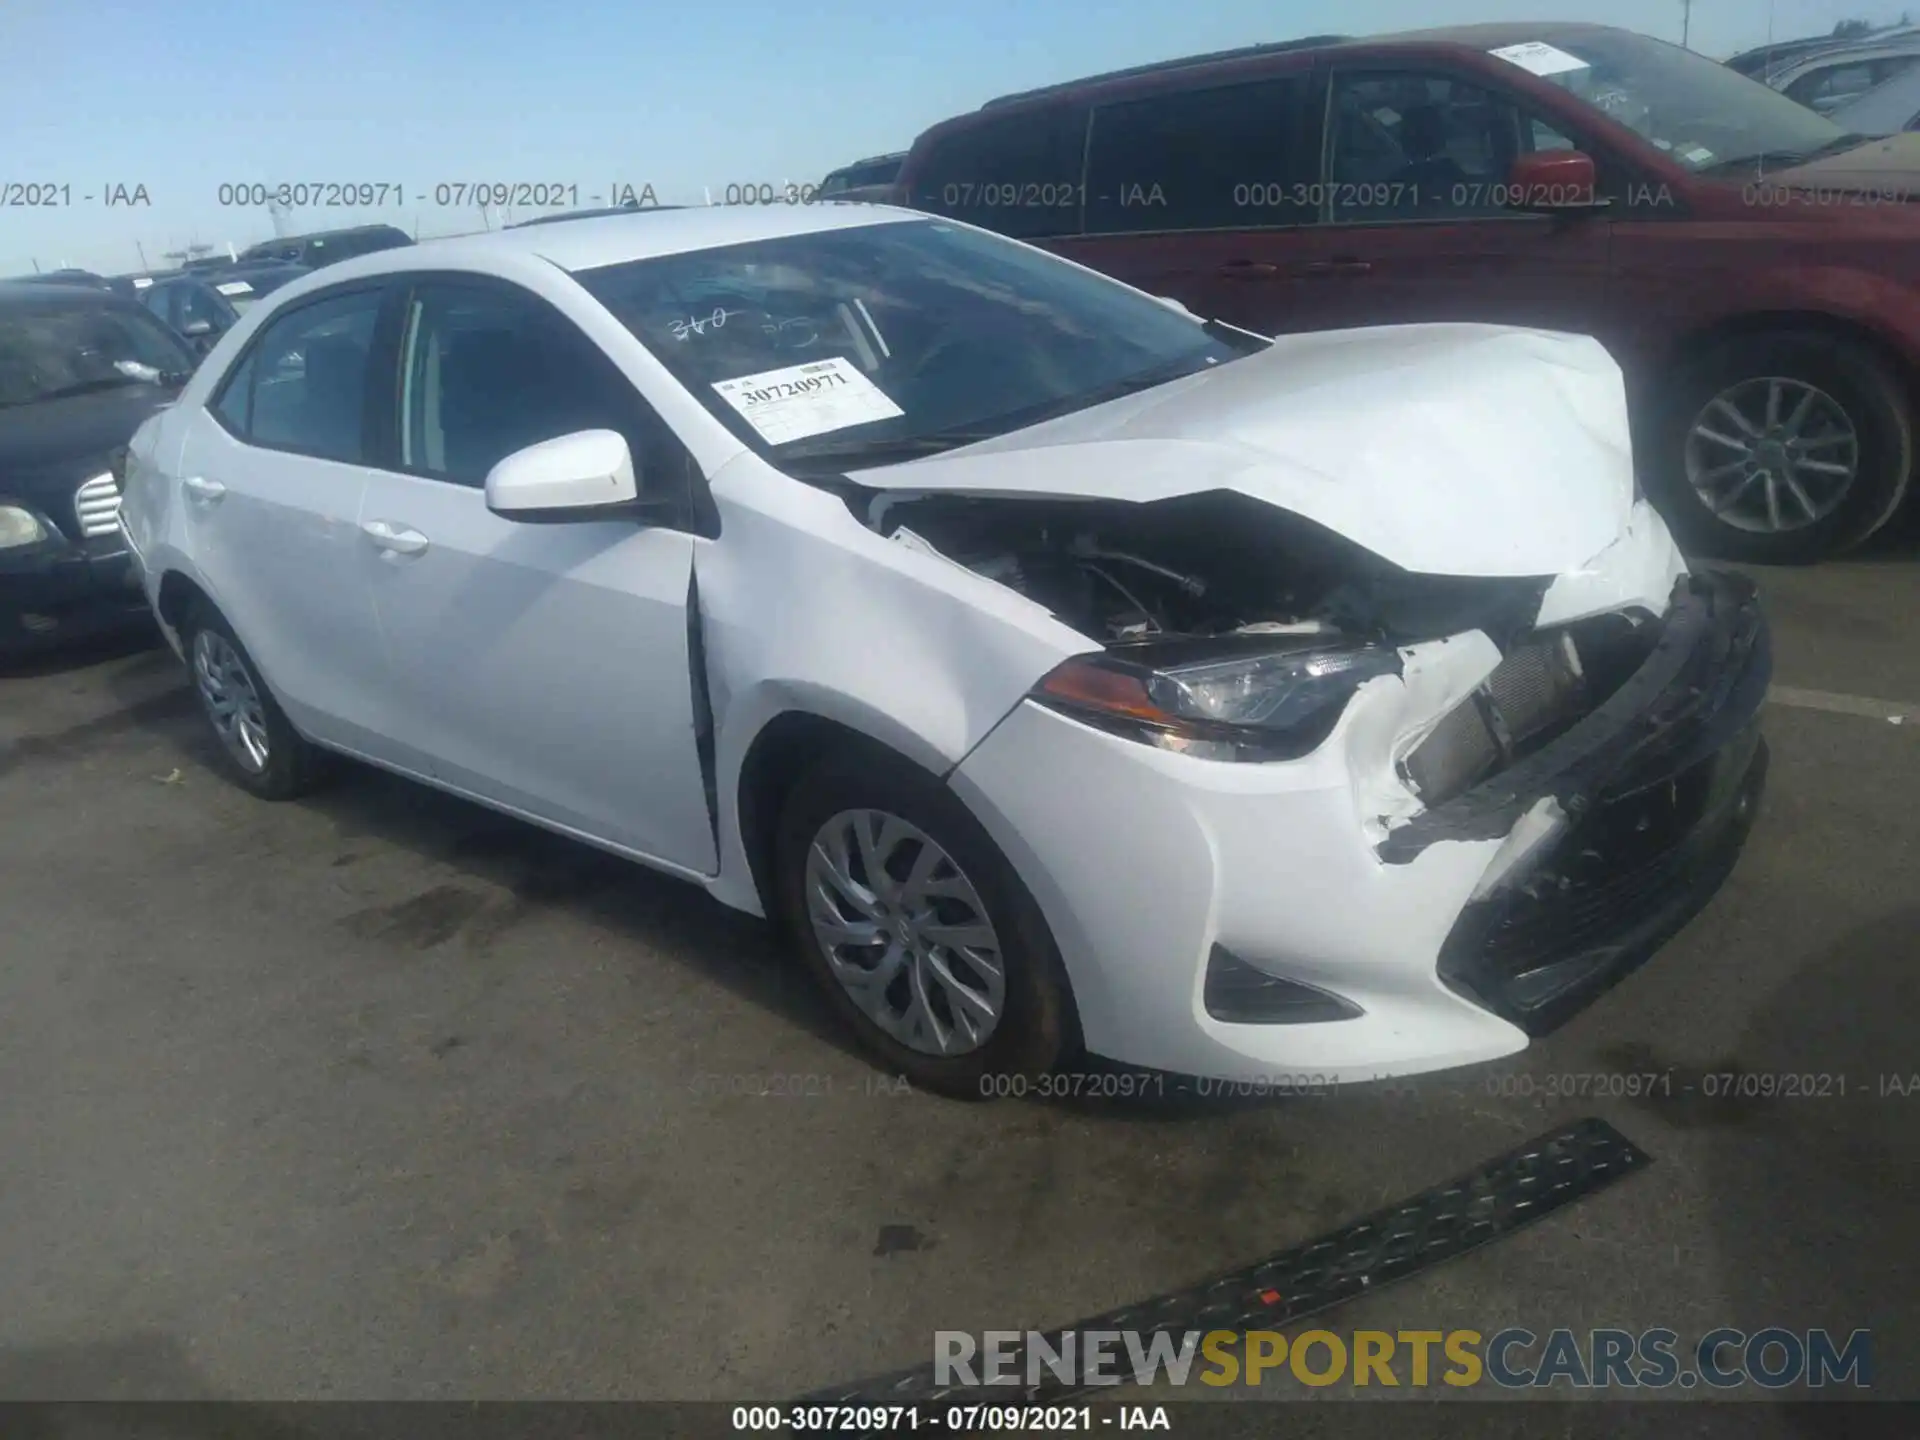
(544, 667)
(1418, 227)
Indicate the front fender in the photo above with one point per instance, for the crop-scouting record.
(802, 608)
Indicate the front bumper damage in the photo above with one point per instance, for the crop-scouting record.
(1449, 935)
(1658, 788)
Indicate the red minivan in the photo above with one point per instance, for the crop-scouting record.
(1754, 269)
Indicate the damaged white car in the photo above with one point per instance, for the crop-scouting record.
(1068, 674)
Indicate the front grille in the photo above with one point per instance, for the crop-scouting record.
(96, 505)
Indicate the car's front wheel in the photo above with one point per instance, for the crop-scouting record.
(919, 931)
(1780, 448)
(262, 749)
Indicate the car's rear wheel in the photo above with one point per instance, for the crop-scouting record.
(259, 744)
(1781, 448)
(920, 933)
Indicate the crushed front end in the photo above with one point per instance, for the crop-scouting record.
(1539, 784)
(1641, 806)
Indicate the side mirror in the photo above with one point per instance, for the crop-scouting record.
(584, 476)
(1554, 181)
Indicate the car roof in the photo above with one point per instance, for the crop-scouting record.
(588, 244)
(1485, 36)
(1847, 53)
(16, 294)
(312, 235)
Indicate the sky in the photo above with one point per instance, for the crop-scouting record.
(105, 97)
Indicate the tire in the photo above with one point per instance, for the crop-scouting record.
(291, 764)
(1035, 1029)
(1851, 379)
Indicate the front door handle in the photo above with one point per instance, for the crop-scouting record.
(1342, 266)
(1248, 270)
(203, 489)
(392, 539)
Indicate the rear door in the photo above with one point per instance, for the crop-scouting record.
(1204, 195)
(271, 478)
(1416, 225)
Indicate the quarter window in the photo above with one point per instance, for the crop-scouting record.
(305, 380)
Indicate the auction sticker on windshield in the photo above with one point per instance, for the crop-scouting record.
(1539, 57)
(803, 400)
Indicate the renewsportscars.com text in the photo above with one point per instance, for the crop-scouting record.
(1512, 1358)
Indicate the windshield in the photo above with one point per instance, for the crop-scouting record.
(863, 346)
(46, 353)
(1710, 119)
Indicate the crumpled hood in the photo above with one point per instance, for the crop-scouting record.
(1445, 449)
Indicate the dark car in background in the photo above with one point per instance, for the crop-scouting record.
(324, 247)
(1754, 269)
(84, 278)
(202, 306)
(869, 179)
(80, 369)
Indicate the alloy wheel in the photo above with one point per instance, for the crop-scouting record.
(232, 703)
(1772, 454)
(905, 932)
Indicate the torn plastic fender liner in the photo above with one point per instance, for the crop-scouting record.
(1703, 681)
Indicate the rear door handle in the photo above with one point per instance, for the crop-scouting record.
(392, 539)
(1338, 267)
(1248, 270)
(201, 488)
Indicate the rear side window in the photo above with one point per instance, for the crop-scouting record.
(1018, 173)
(305, 380)
(1223, 158)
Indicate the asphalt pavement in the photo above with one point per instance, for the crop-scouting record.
(380, 1095)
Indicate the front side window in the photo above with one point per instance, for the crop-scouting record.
(1019, 174)
(866, 345)
(1408, 144)
(486, 371)
(305, 379)
(1221, 158)
(52, 352)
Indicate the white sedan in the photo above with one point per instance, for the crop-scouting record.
(1068, 674)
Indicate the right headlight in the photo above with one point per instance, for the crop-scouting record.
(19, 527)
(1218, 700)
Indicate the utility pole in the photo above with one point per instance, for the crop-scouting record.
(1686, 23)
(143, 255)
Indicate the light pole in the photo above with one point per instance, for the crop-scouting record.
(1686, 23)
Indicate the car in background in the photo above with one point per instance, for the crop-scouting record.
(908, 585)
(328, 247)
(869, 179)
(1754, 268)
(80, 370)
(84, 278)
(1826, 80)
(202, 306)
(1887, 109)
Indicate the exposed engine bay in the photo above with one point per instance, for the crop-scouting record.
(1206, 565)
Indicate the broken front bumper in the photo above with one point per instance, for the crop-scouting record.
(1659, 786)
(1159, 873)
